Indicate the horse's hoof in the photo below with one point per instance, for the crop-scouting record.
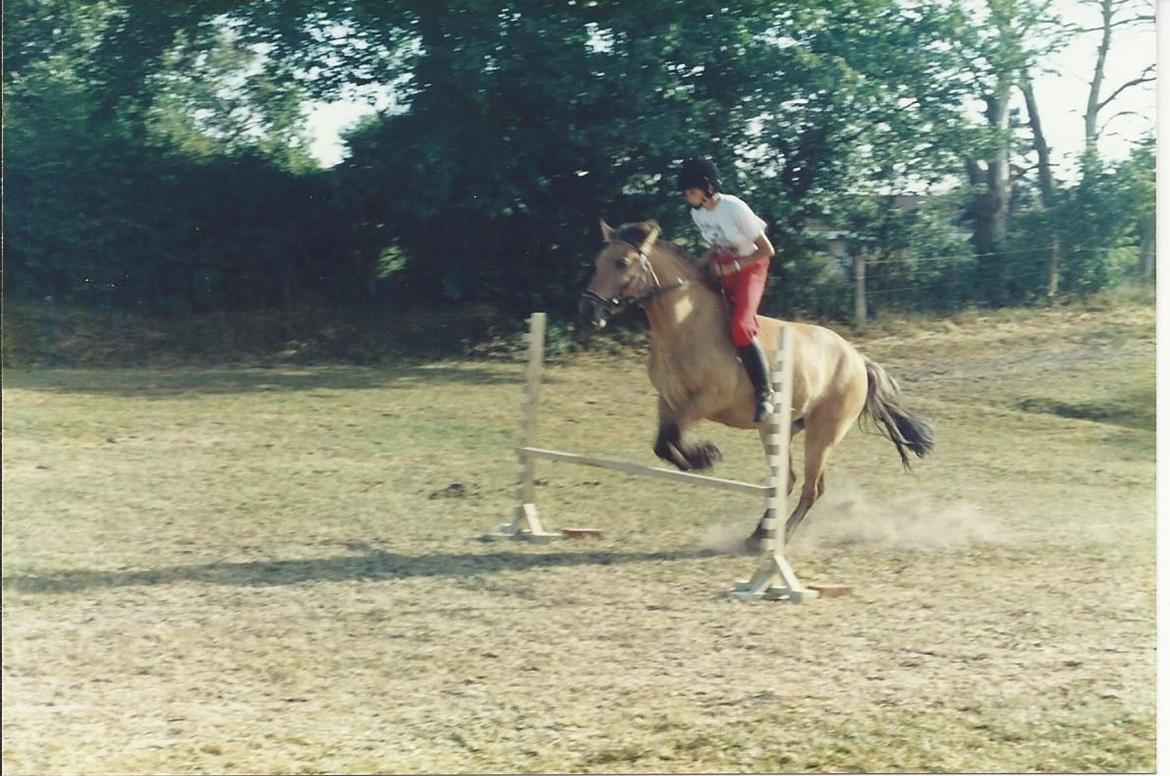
(706, 456)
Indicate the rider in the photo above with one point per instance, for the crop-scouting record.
(739, 257)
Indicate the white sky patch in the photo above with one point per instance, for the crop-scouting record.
(328, 121)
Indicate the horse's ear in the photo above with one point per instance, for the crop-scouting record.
(606, 231)
(653, 230)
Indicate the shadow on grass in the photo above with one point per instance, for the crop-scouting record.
(1134, 409)
(164, 383)
(373, 566)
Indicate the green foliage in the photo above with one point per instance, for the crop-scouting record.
(157, 153)
(149, 197)
(810, 284)
(1023, 275)
(1099, 216)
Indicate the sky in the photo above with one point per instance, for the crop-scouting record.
(327, 120)
(1061, 95)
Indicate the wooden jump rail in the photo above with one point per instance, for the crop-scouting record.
(645, 471)
(774, 579)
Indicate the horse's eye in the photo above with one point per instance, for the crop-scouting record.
(622, 263)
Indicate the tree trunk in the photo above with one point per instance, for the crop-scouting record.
(859, 312)
(1147, 227)
(998, 176)
(1093, 106)
(991, 207)
(1047, 188)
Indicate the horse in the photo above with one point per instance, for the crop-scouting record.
(697, 374)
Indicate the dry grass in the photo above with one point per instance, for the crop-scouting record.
(258, 571)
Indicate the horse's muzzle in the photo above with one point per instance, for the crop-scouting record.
(594, 309)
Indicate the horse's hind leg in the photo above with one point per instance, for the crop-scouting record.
(823, 435)
(670, 445)
(753, 541)
(797, 427)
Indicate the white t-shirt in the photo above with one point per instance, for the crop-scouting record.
(731, 227)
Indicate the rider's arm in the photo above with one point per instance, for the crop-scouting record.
(764, 250)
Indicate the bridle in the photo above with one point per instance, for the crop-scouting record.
(619, 299)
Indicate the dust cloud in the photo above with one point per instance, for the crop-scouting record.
(847, 516)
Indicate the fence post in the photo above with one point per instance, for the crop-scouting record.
(775, 579)
(535, 339)
(859, 311)
(526, 521)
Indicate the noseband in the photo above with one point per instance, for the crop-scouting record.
(617, 301)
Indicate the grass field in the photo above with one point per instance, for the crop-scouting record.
(267, 570)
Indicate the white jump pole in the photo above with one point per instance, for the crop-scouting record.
(775, 579)
(629, 467)
(526, 523)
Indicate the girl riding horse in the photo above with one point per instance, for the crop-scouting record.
(695, 371)
(739, 258)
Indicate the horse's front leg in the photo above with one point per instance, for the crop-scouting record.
(672, 447)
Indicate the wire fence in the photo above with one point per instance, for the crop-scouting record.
(949, 279)
(1036, 250)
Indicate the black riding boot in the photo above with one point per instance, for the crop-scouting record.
(756, 364)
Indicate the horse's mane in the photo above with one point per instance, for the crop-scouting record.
(637, 233)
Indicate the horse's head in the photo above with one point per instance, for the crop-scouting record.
(622, 272)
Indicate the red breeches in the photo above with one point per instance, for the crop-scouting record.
(744, 290)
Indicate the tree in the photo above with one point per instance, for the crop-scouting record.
(1007, 41)
(1115, 14)
(157, 153)
(1103, 217)
(593, 107)
(127, 183)
(1047, 186)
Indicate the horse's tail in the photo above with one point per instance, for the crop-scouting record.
(883, 406)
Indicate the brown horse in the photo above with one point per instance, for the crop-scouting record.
(697, 374)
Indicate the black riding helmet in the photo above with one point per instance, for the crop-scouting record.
(699, 174)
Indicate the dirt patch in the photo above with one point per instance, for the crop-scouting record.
(254, 577)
